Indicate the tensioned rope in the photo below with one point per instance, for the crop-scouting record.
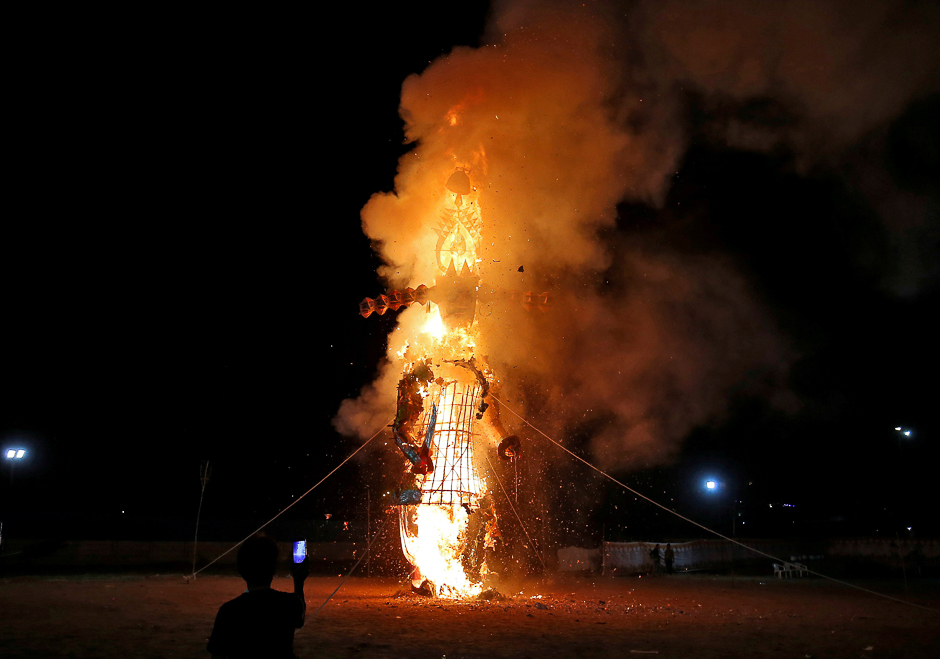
(693, 522)
(349, 574)
(513, 508)
(227, 551)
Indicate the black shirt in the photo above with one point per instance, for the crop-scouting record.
(256, 624)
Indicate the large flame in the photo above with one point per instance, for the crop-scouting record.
(434, 327)
(436, 548)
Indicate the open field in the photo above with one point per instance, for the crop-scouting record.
(679, 616)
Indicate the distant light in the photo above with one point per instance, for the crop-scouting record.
(711, 485)
(22, 452)
(907, 433)
(15, 454)
(908, 528)
(898, 428)
(11, 453)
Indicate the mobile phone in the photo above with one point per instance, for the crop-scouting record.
(300, 551)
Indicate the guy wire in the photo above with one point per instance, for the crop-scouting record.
(348, 574)
(690, 521)
(509, 499)
(193, 576)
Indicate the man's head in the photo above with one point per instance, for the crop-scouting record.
(257, 560)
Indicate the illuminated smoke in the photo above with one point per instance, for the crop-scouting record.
(571, 109)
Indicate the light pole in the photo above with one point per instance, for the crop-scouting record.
(902, 433)
(714, 487)
(368, 531)
(205, 471)
(13, 455)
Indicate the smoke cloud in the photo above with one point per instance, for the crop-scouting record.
(821, 79)
(570, 109)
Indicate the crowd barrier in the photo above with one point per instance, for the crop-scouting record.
(634, 557)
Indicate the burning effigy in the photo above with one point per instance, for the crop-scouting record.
(522, 150)
(442, 427)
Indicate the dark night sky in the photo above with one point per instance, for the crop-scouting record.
(182, 261)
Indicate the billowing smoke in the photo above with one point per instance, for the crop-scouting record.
(822, 79)
(570, 109)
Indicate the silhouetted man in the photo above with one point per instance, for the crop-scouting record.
(670, 558)
(261, 621)
(655, 556)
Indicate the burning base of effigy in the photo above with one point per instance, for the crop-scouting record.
(447, 519)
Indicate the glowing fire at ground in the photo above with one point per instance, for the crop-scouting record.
(436, 549)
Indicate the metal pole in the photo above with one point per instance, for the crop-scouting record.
(204, 472)
(734, 524)
(368, 531)
(9, 506)
(721, 543)
(907, 593)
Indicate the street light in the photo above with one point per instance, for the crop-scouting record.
(14, 454)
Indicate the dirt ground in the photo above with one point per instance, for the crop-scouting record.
(564, 616)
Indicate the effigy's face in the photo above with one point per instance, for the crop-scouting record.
(459, 228)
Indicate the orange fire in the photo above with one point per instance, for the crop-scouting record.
(436, 548)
